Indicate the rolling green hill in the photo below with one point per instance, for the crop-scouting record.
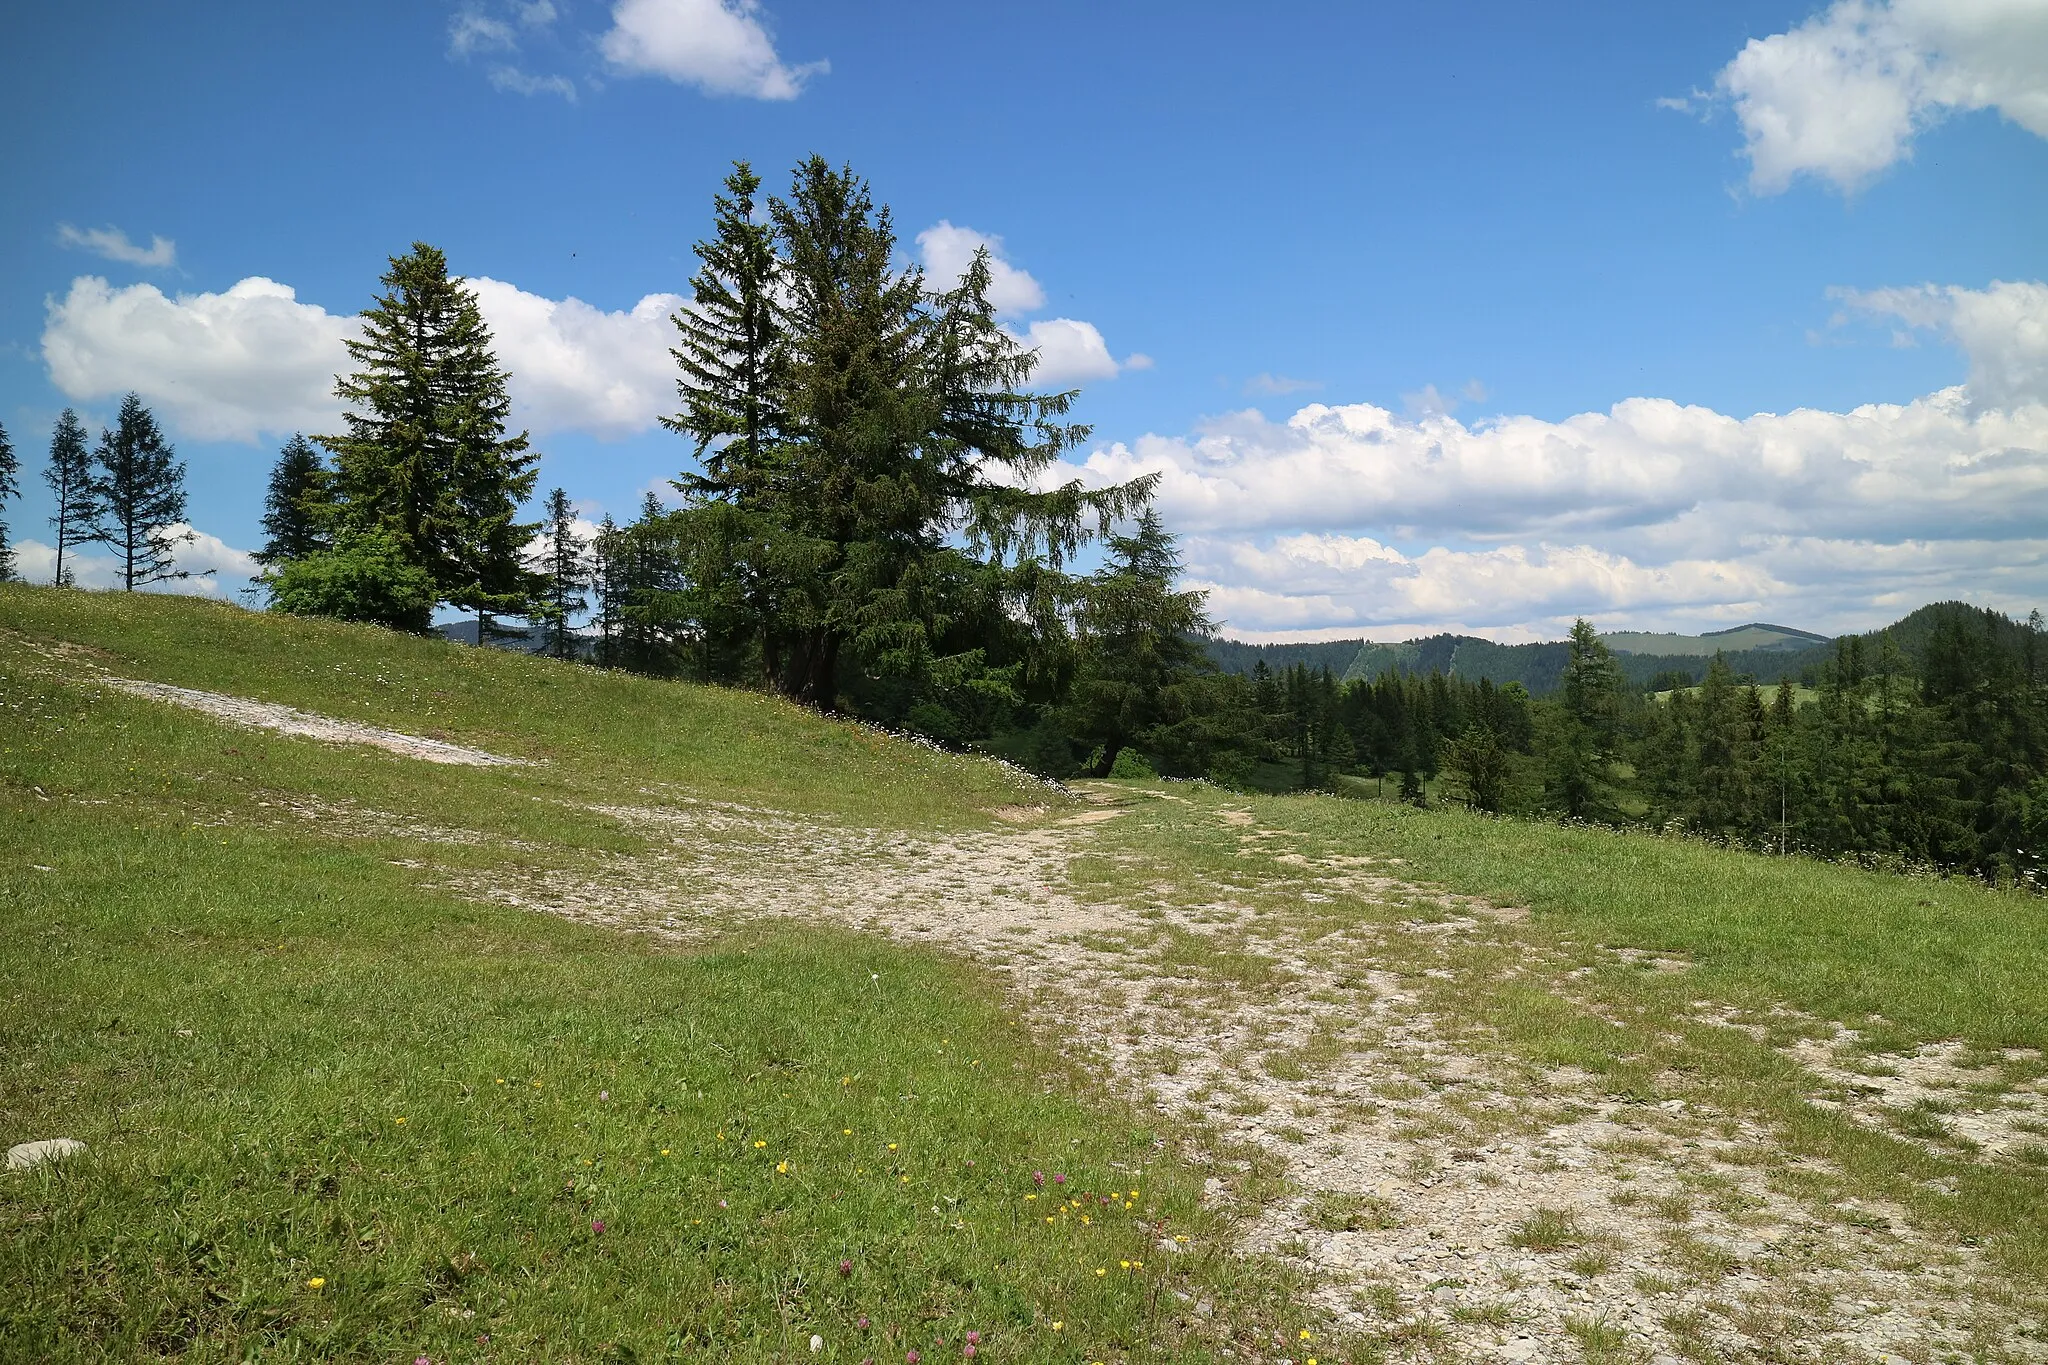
(1753, 638)
(1763, 652)
(710, 1029)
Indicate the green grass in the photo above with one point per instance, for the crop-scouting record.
(336, 1113)
(1936, 959)
(595, 731)
(234, 1004)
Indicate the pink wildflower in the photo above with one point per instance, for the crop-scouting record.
(1038, 1179)
(911, 1358)
(597, 1226)
(968, 1350)
(974, 1338)
(845, 1269)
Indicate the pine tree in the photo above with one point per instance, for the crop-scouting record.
(1583, 750)
(425, 454)
(70, 477)
(143, 486)
(898, 423)
(295, 511)
(1138, 640)
(564, 570)
(607, 586)
(730, 346)
(10, 487)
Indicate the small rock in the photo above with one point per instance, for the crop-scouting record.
(28, 1154)
(1521, 1348)
(817, 1343)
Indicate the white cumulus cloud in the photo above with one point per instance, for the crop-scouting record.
(37, 563)
(2003, 329)
(948, 251)
(1353, 515)
(113, 244)
(221, 366)
(255, 360)
(1069, 352)
(1843, 95)
(578, 367)
(719, 46)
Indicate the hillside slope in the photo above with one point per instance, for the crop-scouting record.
(711, 1025)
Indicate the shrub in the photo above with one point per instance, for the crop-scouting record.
(367, 576)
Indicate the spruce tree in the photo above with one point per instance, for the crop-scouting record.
(564, 570)
(79, 505)
(10, 487)
(607, 586)
(425, 455)
(143, 485)
(1582, 752)
(898, 422)
(294, 510)
(729, 346)
(1138, 639)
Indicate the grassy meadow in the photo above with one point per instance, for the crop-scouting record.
(337, 1112)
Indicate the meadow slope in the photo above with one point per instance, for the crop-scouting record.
(828, 1035)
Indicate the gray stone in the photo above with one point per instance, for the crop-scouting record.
(29, 1154)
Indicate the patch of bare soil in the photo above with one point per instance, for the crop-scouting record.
(265, 715)
(1452, 1200)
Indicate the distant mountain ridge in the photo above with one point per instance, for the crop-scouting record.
(1758, 650)
(1757, 635)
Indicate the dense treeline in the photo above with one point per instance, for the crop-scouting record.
(1934, 756)
(1539, 666)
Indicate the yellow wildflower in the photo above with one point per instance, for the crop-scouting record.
(317, 1282)
(399, 1119)
(782, 1168)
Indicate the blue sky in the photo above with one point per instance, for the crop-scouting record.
(1430, 316)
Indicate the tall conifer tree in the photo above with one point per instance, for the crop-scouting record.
(10, 487)
(564, 571)
(294, 510)
(1138, 640)
(898, 420)
(143, 485)
(425, 454)
(69, 475)
(729, 346)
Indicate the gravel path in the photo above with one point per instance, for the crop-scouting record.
(265, 715)
(1451, 1199)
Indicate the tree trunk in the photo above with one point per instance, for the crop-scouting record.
(1108, 760)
